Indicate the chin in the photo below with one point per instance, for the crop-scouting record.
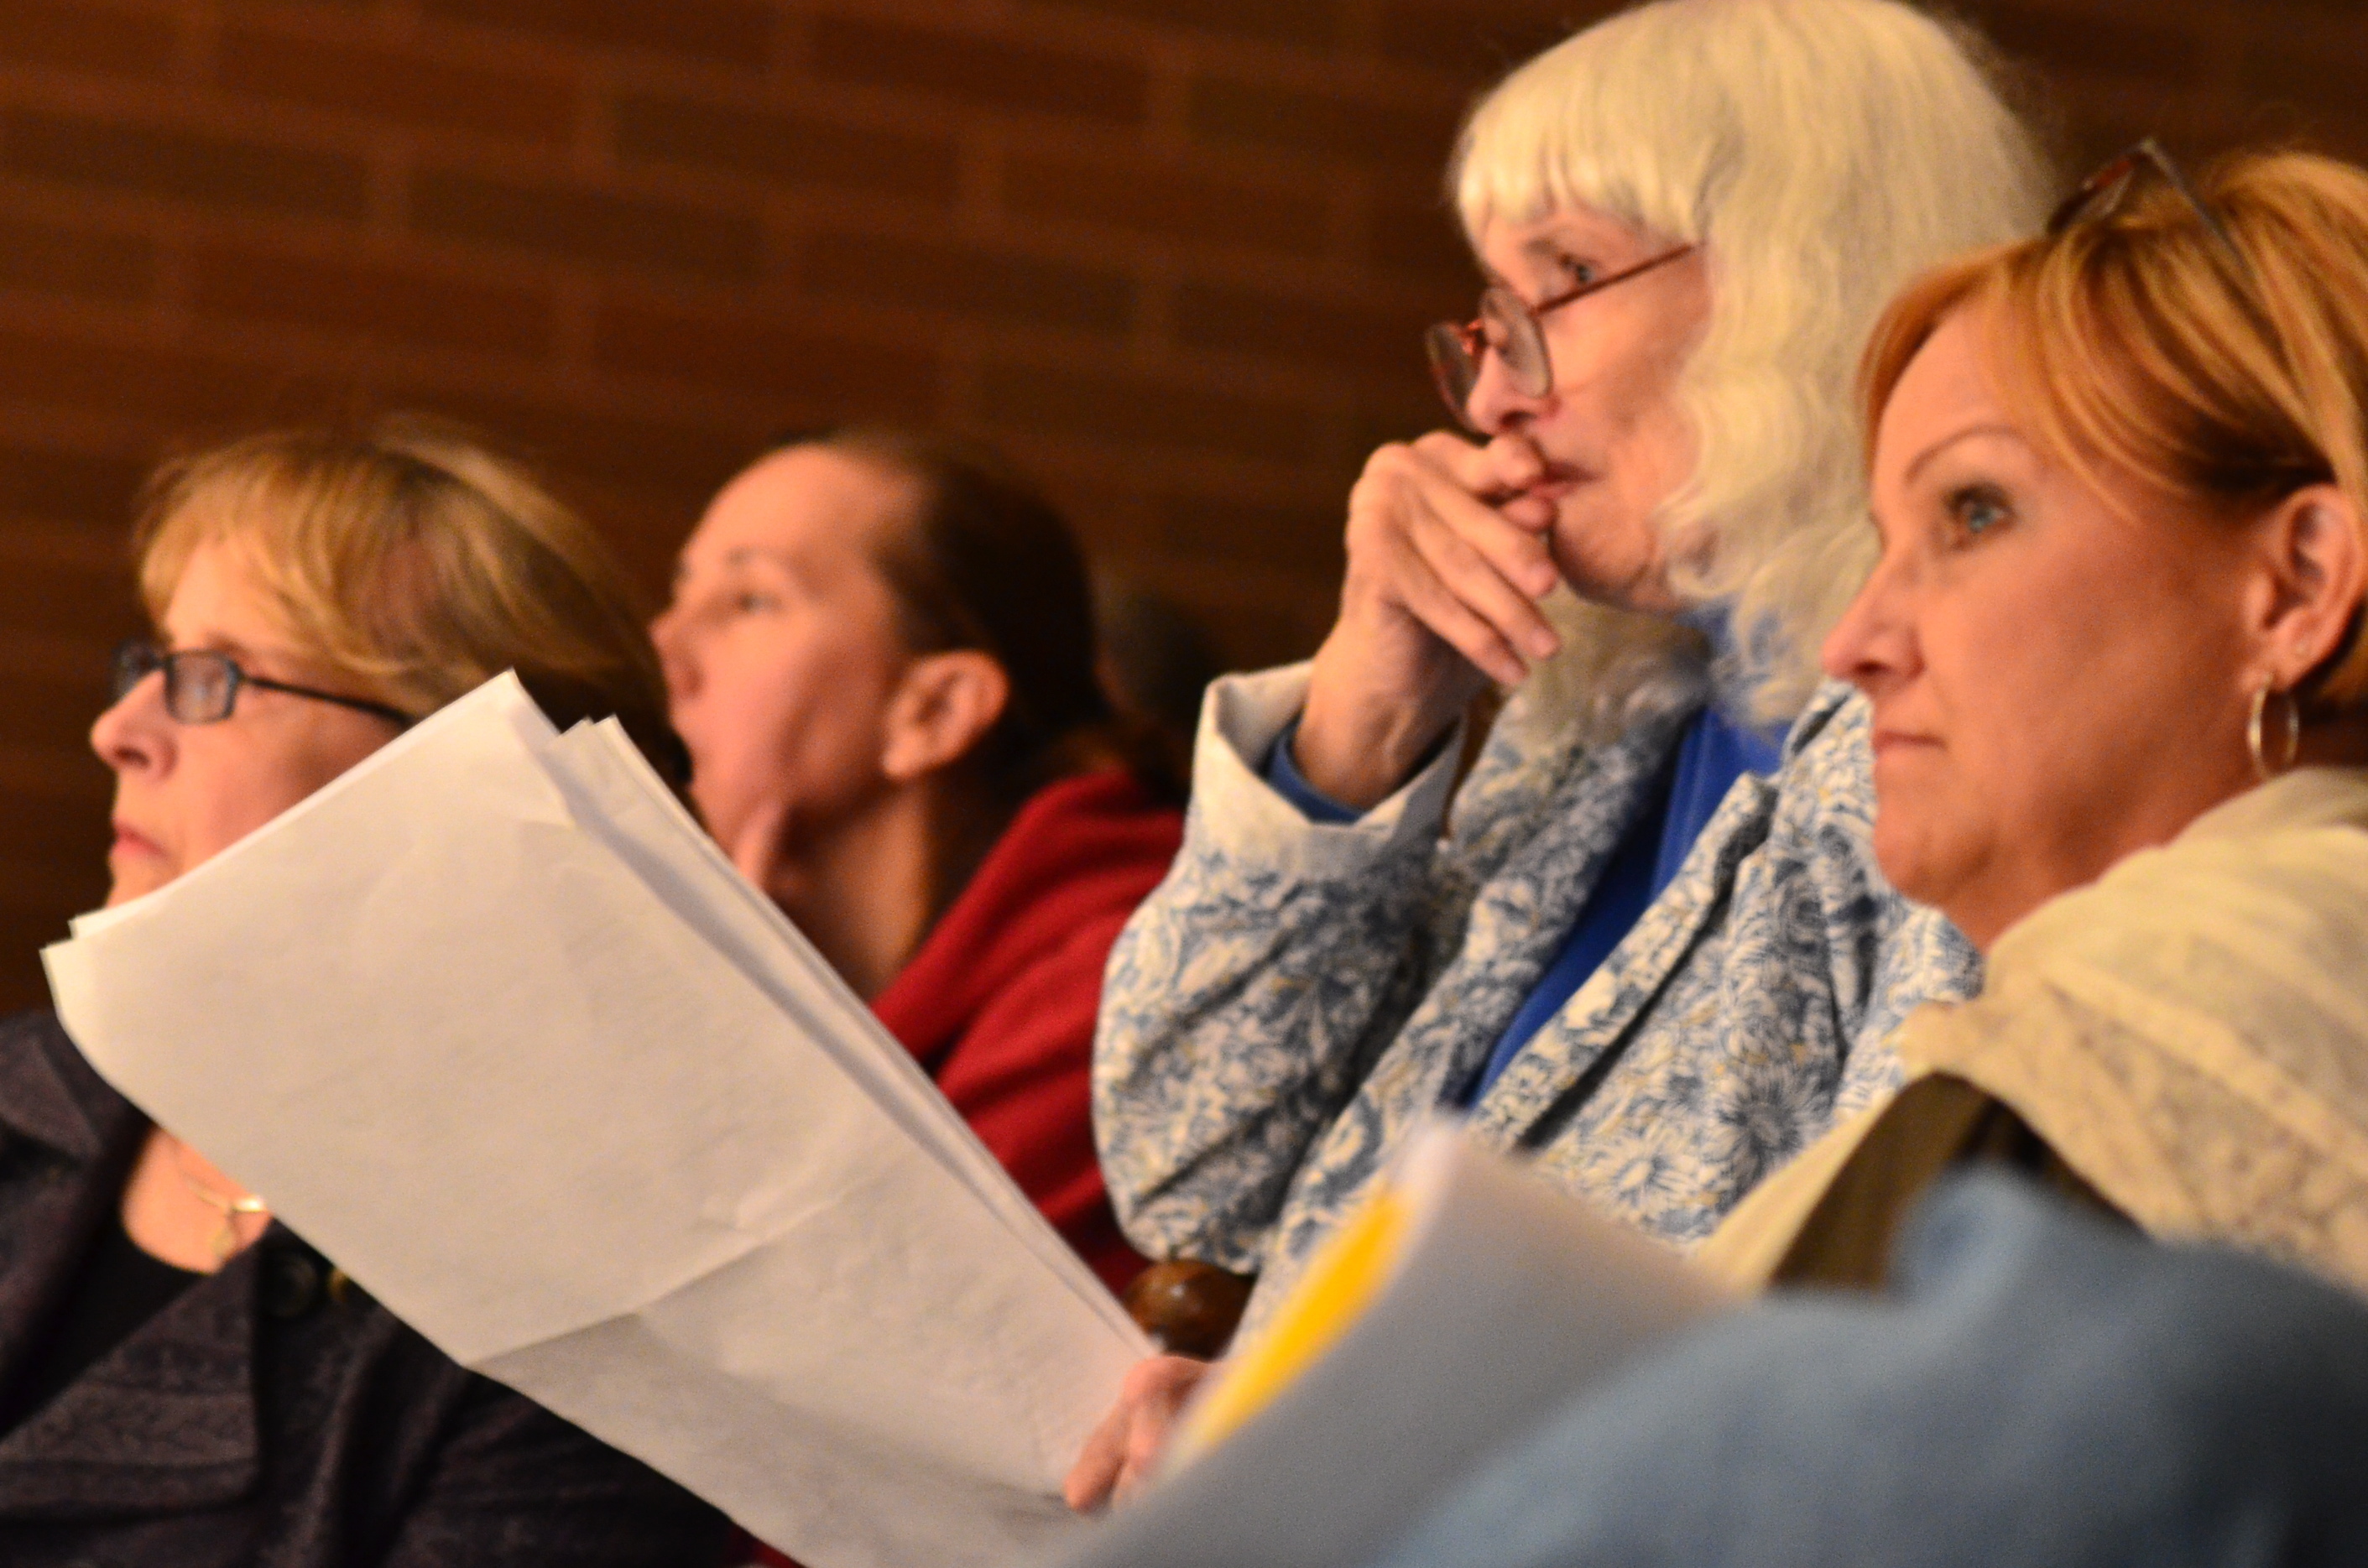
(1911, 863)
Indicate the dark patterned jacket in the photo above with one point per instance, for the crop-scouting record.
(263, 1418)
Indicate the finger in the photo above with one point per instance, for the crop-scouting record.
(1453, 622)
(1517, 555)
(1155, 1421)
(1504, 466)
(1514, 462)
(1090, 1481)
(1465, 463)
(1478, 583)
(1531, 514)
(1145, 1443)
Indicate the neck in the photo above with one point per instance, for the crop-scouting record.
(178, 1207)
(865, 894)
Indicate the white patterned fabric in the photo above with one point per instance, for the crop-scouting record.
(1296, 996)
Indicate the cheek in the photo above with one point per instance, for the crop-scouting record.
(231, 785)
(784, 717)
(1624, 430)
(2058, 704)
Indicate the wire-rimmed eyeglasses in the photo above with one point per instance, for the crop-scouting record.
(2101, 194)
(201, 684)
(1509, 324)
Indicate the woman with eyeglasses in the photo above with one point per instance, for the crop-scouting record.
(183, 1381)
(1649, 942)
(2113, 649)
(2120, 698)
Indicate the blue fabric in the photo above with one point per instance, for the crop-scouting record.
(1283, 772)
(2037, 1389)
(1714, 753)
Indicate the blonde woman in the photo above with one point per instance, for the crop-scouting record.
(1653, 946)
(182, 1380)
(2120, 718)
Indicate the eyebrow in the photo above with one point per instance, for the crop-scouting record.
(1945, 442)
(213, 643)
(743, 555)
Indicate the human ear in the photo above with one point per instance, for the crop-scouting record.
(944, 705)
(2317, 576)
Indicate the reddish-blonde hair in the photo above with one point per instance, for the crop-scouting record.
(2133, 342)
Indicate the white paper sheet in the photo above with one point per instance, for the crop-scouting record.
(490, 1022)
(1509, 1299)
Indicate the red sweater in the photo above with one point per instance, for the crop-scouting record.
(999, 1002)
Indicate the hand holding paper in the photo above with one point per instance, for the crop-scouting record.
(491, 1022)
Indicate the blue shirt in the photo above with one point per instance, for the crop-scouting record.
(1711, 754)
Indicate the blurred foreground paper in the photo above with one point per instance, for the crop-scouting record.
(1461, 1304)
(491, 1022)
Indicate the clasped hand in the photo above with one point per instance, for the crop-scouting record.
(1449, 553)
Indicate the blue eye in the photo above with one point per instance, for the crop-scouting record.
(1978, 508)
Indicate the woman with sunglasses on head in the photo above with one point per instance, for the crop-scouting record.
(2120, 711)
(1652, 945)
(182, 1380)
(2119, 703)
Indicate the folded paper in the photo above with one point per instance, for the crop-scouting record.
(490, 1021)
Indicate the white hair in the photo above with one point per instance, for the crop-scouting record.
(1822, 153)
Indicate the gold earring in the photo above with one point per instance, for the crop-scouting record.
(2254, 726)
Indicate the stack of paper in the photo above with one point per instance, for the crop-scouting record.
(1462, 1304)
(491, 1022)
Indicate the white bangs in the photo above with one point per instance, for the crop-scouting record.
(1823, 152)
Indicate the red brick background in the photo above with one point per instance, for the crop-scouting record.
(1173, 253)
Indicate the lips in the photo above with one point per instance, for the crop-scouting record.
(130, 840)
(1893, 741)
(1557, 481)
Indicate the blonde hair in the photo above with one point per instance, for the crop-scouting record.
(1822, 153)
(416, 564)
(2134, 342)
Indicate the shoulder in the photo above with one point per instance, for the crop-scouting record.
(464, 1462)
(2278, 876)
(1828, 753)
(49, 1093)
(1822, 802)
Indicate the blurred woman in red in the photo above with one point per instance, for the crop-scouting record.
(881, 655)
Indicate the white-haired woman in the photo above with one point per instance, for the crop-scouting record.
(1653, 947)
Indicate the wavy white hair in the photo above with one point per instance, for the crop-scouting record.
(1822, 153)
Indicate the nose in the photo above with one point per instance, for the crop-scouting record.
(1874, 645)
(1497, 406)
(135, 734)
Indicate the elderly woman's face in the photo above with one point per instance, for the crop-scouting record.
(2057, 673)
(1615, 443)
(186, 792)
(782, 648)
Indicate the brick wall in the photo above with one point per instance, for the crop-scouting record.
(1174, 253)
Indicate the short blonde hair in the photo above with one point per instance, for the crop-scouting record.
(2134, 342)
(1822, 153)
(417, 563)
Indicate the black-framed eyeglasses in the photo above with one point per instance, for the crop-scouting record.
(1509, 324)
(201, 684)
(2100, 196)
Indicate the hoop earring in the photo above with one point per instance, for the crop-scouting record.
(2254, 726)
